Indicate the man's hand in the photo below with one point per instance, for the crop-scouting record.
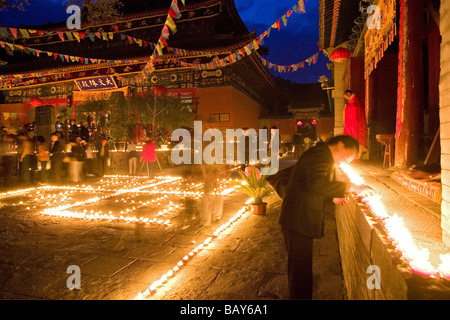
(340, 201)
(362, 190)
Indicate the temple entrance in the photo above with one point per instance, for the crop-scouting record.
(382, 101)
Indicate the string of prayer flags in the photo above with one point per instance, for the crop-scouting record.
(229, 59)
(63, 57)
(299, 7)
(169, 25)
(174, 13)
(292, 67)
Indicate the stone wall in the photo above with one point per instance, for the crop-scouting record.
(363, 242)
(444, 114)
(361, 247)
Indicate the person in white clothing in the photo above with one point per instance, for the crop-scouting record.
(132, 157)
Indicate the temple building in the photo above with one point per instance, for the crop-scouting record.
(207, 59)
(305, 112)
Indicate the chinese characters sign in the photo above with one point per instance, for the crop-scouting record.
(98, 83)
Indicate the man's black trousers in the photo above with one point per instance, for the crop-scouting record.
(300, 254)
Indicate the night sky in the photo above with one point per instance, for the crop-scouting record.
(294, 43)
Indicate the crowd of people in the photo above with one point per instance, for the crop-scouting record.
(72, 154)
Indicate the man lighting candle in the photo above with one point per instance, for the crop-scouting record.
(311, 184)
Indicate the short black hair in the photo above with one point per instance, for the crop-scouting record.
(348, 141)
(348, 91)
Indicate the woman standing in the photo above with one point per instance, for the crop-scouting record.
(148, 157)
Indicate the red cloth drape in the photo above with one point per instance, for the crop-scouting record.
(355, 120)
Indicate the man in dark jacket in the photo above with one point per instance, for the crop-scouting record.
(84, 132)
(56, 158)
(311, 184)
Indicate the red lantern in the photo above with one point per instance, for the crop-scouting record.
(314, 122)
(299, 122)
(339, 55)
(36, 102)
(159, 90)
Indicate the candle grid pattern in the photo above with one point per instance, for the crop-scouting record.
(63, 202)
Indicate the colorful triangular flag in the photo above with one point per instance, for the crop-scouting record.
(24, 33)
(171, 24)
(174, 11)
(61, 35)
(13, 31)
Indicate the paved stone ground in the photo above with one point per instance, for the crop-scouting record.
(119, 260)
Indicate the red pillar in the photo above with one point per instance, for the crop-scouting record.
(410, 98)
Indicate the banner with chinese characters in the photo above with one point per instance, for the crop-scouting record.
(97, 83)
(84, 96)
(380, 35)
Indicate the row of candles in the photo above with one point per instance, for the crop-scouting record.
(400, 236)
(170, 273)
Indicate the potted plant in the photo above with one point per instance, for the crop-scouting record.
(256, 186)
(163, 142)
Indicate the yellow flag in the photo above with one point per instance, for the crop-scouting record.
(76, 35)
(171, 24)
(69, 35)
(255, 44)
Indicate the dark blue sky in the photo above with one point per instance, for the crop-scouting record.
(294, 43)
